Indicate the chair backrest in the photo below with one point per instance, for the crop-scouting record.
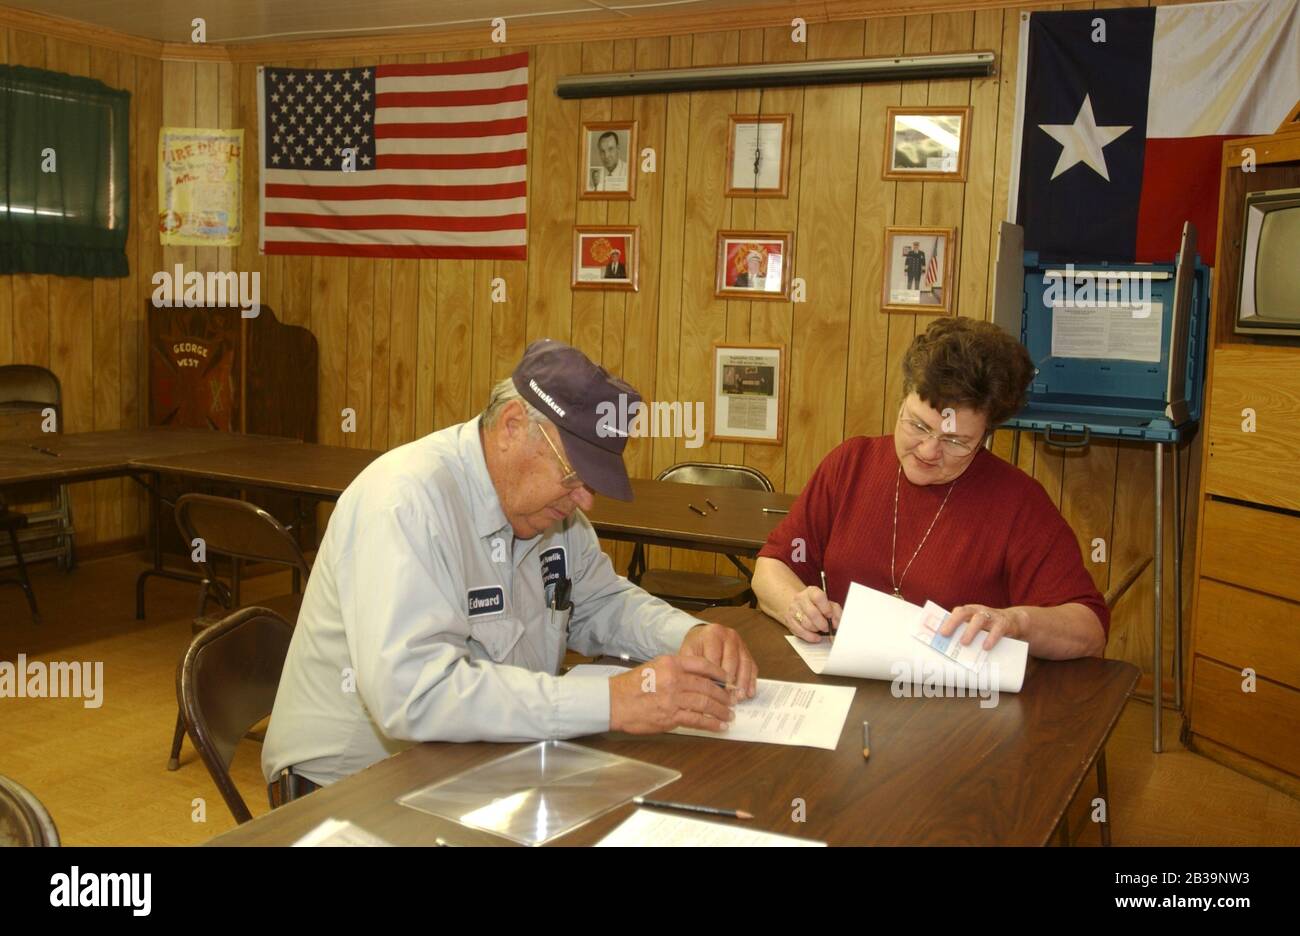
(238, 529)
(23, 820)
(741, 476)
(29, 383)
(226, 684)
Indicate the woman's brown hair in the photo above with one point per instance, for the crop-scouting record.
(961, 362)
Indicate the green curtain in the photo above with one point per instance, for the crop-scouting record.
(71, 221)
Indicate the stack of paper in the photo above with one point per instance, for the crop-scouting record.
(797, 714)
(883, 637)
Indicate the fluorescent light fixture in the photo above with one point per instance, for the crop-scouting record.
(782, 74)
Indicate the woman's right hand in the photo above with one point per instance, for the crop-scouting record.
(811, 615)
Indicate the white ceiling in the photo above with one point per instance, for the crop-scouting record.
(267, 20)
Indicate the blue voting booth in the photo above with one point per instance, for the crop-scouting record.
(1119, 352)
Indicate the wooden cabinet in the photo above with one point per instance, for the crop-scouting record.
(1244, 705)
(211, 368)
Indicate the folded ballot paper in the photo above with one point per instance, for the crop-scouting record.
(883, 637)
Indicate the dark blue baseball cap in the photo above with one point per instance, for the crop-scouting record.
(589, 406)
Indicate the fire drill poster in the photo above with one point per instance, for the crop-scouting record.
(200, 177)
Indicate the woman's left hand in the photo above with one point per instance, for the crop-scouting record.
(996, 622)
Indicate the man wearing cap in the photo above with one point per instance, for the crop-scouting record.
(455, 572)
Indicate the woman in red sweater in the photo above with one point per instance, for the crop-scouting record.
(928, 513)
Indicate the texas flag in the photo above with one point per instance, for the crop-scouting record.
(1121, 117)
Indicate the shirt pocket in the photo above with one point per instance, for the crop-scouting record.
(558, 636)
(498, 636)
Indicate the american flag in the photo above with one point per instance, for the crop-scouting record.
(425, 160)
(932, 268)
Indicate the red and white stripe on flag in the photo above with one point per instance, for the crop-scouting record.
(439, 158)
(1218, 71)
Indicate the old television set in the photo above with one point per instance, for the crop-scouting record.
(1268, 300)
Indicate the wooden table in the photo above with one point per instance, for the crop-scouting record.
(658, 515)
(942, 771)
(90, 456)
(320, 471)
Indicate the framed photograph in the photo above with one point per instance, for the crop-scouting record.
(927, 143)
(919, 269)
(748, 386)
(758, 155)
(754, 264)
(607, 162)
(606, 257)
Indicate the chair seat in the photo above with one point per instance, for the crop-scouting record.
(672, 584)
(284, 605)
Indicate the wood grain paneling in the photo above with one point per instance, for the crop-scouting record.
(1254, 459)
(414, 345)
(1252, 548)
(1263, 724)
(1246, 628)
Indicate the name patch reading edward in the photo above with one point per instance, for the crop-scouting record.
(487, 600)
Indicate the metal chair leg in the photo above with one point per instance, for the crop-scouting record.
(1104, 792)
(24, 581)
(174, 762)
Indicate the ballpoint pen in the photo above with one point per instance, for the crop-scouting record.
(829, 624)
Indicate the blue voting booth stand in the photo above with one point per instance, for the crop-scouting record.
(1119, 352)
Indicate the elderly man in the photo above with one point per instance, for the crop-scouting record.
(455, 572)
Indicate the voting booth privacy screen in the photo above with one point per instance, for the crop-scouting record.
(1119, 349)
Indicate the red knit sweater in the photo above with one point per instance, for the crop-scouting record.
(1000, 541)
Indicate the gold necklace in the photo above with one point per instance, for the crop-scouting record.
(898, 584)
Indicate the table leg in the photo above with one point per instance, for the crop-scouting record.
(155, 512)
(1158, 559)
(1178, 583)
(1104, 793)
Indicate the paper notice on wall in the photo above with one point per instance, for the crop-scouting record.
(1129, 332)
(199, 184)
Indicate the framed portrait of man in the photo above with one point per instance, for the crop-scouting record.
(606, 257)
(607, 162)
(758, 155)
(919, 270)
(927, 143)
(754, 264)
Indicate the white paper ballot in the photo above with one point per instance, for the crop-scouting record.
(648, 828)
(1129, 332)
(797, 714)
(339, 832)
(875, 641)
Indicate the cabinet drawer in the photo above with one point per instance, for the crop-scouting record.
(1264, 724)
(1256, 466)
(1244, 628)
(1258, 549)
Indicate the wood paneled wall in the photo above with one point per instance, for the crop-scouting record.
(415, 345)
(90, 333)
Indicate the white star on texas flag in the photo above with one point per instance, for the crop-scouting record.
(1083, 141)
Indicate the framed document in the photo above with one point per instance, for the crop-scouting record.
(748, 387)
(927, 143)
(758, 155)
(607, 161)
(919, 269)
(753, 265)
(606, 257)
